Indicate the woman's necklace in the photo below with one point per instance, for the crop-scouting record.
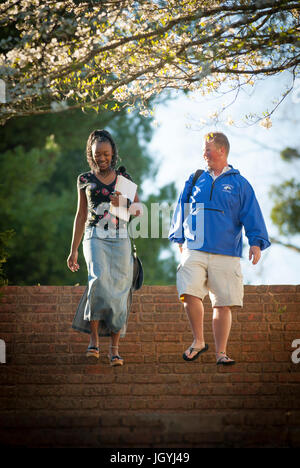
(106, 172)
(104, 175)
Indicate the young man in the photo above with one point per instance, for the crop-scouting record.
(209, 218)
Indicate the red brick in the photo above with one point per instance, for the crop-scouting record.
(146, 298)
(290, 316)
(253, 347)
(294, 326)
(168, 308)
(250, 317)
(276, 346)
(147, 317)
(282, 356)
(148, 308)
(165, 298)
(254, 336)
(43, 299)
(163, 290)
(282, 288)
(253, 298)
(47, 375)
(8, 299)
(292, 377)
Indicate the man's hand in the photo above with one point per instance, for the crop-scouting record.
(254, 252)
(180, 247)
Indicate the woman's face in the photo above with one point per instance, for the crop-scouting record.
(102, 154)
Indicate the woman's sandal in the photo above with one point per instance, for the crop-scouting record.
(115, 359)
(224, 360)
(93, 351)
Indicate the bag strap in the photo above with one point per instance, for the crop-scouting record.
(195, 178)
(133, 246)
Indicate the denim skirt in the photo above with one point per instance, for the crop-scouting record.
(108, 295)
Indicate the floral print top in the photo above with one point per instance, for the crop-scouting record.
(97, 194)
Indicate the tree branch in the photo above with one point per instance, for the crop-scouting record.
(88, 50)
(295, 248)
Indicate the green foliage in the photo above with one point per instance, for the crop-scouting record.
(39, 196)
(4, 240)
(286, 211)
(30, 210)
(277, 306)
(289, 154)
(154, 250)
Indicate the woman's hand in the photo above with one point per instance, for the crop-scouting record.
(117, 199)
(136, 209)
(72, 261)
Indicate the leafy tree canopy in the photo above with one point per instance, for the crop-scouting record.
(40, 159)
(109, 54)
(285, 213)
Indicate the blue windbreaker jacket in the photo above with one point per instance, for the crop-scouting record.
(213, 217)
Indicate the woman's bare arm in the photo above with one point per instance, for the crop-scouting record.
(78, 230)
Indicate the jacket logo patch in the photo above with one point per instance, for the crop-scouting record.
(227, 188)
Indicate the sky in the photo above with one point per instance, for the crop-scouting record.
(177, 143)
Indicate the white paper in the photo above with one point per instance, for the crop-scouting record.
(128, 189)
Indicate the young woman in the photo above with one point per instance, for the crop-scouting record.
(104, 307)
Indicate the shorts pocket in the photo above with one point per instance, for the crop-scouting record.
(238, 273)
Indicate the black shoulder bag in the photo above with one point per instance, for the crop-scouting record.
(138, 273)
(195, 178)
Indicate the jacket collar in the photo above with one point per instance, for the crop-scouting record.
(231, 170)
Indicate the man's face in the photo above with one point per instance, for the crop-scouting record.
(213, 154)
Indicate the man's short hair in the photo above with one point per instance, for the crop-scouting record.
(219, 139)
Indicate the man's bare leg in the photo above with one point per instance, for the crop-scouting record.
(221, 328)
(195, 312)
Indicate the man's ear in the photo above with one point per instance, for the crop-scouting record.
(223, 149)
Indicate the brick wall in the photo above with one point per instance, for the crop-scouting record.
(51, 395)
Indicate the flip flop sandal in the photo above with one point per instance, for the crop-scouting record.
(191, 349)
(224, 361)
(116, 360)
(92, 351)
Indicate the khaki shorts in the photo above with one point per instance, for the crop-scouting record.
(200, 273)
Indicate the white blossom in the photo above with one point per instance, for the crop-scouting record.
(93, 52)
(229, 121)
(266, 123)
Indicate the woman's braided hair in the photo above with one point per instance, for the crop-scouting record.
(101, 136)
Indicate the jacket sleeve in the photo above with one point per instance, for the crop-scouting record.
(176, 232)
(252, 219)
